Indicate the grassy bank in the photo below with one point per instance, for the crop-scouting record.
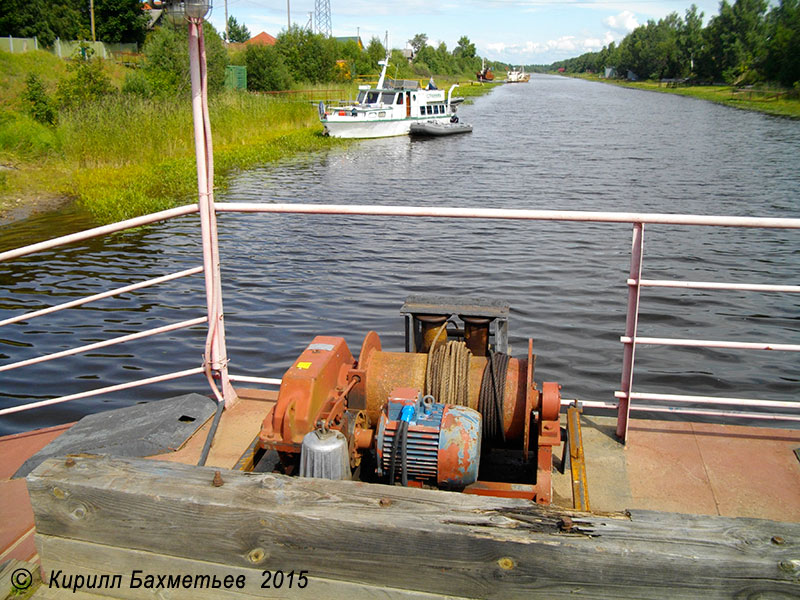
(139, 162)
(126, 156)
(721, 94)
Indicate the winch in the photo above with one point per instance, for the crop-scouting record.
(453, 411)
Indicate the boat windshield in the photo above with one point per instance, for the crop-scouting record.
(361, 96)
(372, 97)
(387, 97)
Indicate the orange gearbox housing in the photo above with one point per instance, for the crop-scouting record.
(309, 392)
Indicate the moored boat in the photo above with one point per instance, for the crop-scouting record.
(388, 109)
(518, 76)
(436, 129)
(485, 74)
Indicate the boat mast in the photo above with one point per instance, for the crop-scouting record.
(384, 63)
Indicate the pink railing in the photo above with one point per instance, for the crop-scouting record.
(85, 235)
(215, 361)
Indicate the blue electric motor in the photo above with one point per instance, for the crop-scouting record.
(422, 440)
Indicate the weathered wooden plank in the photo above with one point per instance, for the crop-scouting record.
(45, 593)
(424, 540)
(71, 557)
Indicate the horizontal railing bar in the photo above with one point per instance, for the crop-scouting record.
(709, 285)
(690, 411)
(105, 390)
(650, 341)
(499, 213)
(716, 413)
(115, 292)
(105, 343)
(249, 379)
(98, 231)
(711, 400)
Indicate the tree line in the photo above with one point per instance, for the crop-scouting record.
(116, 21)
(302, 56)
(744, 44)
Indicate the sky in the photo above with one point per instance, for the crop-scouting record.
(511, 31)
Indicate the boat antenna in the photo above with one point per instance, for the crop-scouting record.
(384, 63)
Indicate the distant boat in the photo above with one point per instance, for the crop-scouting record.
(520, 76)
(486, 73)
(388, 109)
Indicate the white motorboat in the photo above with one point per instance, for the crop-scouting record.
(388, 109)
(520, 76)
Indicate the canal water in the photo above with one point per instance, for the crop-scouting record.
(555, 143)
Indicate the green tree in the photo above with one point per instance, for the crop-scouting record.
(118, 21)
(237, 33)
(418, 42)
(375, 52)
(266, 70)
(350, 52)
(166, 66)
(87, 83)
(735, 39)
(782, 62)
(690, 39)
(310, 57)
(40, 106)
(26, 18)
(465, 48)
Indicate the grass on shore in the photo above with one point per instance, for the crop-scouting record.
(721, 94)
(128, 156)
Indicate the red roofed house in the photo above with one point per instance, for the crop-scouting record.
(262, 39)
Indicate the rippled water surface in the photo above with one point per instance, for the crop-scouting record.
(554, 143)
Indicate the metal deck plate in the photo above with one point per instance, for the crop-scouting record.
(138, 430)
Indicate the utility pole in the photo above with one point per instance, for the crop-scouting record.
(91, 13)
(227, 25)
(288, 17)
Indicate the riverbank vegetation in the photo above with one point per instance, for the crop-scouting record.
(751, 44)
(762, 99)
(118, 139)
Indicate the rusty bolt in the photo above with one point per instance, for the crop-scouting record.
(778, 540)
(70, 462)
(565, 524)
(384, 502)
(217, 479)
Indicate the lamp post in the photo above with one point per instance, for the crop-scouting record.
(215, 357)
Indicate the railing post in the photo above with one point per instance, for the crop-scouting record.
(631, 323)
(216, 352)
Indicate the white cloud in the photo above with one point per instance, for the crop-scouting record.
(624, 22)
(564, 45)
(595, 44)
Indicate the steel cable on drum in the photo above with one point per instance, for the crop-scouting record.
(491, 399)
(447, 373)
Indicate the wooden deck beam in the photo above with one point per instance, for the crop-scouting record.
(362, 536)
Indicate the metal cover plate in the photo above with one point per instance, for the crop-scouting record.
(458, 305)
(138, 430)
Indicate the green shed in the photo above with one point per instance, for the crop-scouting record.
(235, 78)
